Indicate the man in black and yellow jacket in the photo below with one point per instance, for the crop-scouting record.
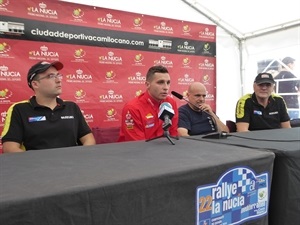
(263, 109)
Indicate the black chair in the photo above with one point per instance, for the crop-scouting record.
(231, 126)
(295, 122)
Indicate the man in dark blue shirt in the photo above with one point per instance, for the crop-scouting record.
(197, 117)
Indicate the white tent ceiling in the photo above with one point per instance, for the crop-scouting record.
(250, 18)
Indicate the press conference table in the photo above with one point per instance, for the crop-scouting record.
(134, 183)
(285, 189)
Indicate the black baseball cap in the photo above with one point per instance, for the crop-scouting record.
(264, 78)
(41, 67)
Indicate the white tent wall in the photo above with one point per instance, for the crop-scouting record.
(276, 46)
(237, 66)
(236, 60)
(228, 75)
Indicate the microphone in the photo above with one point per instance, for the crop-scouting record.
(214, 135)
(166, 113)
(177, 95)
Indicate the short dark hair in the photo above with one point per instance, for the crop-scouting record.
(155, 69)
(288, 60)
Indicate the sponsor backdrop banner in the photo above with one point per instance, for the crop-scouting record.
(106, 54)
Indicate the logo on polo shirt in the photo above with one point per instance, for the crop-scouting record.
(257, 112)
(67, 117)
(36, 119)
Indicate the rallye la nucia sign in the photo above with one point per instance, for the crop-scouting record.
(238, 196)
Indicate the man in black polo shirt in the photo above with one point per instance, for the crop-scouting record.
(262, 109)
(45, 121)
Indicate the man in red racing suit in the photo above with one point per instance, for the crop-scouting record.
(140, 119)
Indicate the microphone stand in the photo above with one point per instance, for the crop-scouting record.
(167, 123)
